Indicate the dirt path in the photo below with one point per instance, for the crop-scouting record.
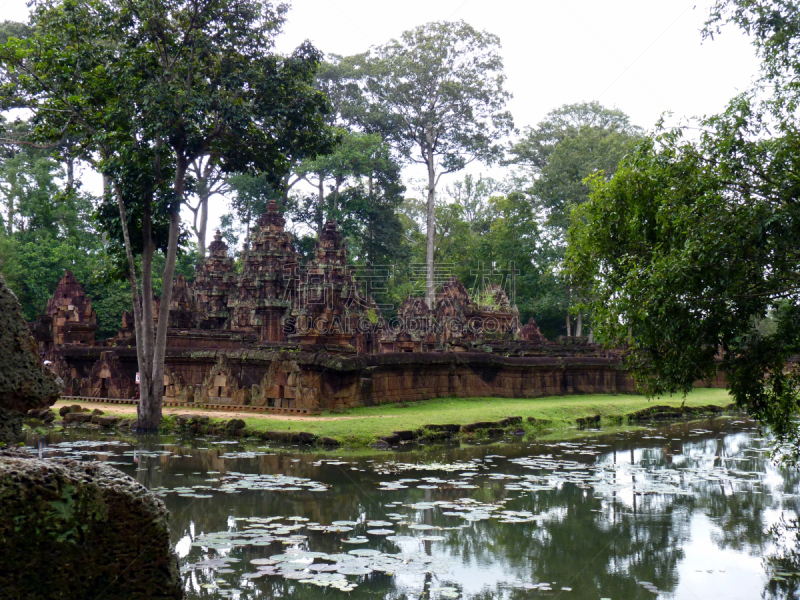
(127, 409)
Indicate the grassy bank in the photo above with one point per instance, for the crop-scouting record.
(369, 423)
(364, 425)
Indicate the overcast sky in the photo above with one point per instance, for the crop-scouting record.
(644, 57)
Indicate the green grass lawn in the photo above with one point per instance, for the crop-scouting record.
(361, 426)
(372, 422)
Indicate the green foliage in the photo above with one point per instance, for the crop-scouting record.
(440, 89)
(693, 245)
(774, 29)
(250, 196)
(14, 29)
(32, 268)
(30, 198)
(572, 143)
(690, 245)
(110, 299)
(359, 186)
(45, 226)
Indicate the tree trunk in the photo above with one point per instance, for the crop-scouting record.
(70, 174)
(207, 178)
(10, 220)
(138, 320)
(579, 326)
(150, 412)
(70, 160)
(146, 421)
(430, 234)
(320, 203)
(202, 227)
(569, 318)
(334, 198)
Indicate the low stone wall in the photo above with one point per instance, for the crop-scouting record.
(410, 377)
(74, 530)
(311, 380)
(299, 378)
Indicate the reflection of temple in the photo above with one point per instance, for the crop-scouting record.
(232, 335)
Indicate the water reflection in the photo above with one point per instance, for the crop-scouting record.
(688, 511)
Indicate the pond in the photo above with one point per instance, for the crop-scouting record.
(686, 511)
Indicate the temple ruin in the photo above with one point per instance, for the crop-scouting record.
(290, 337)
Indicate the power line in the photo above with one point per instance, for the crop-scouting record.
(642, 54)
(460, 6)
(626, 68)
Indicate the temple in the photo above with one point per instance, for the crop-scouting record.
(285, 336)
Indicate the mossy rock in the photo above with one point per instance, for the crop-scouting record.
(82, 530)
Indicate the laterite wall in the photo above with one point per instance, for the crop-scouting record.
(297, 378)
(410, 377)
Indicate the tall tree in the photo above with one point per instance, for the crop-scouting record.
(27, 186)
(570, 144)
(440, 93)
(147, 88)
(15, 29)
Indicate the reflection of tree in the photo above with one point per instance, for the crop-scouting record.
(604, 545)
(579, 546)
(784, 563)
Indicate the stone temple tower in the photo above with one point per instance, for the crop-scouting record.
(73, 318)
(330, 307)
(268, 283)
(214, 281)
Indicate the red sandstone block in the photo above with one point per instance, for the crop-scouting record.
(273, 392)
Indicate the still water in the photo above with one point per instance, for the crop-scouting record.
(689, 511)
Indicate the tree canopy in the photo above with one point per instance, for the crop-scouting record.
(692, 250)
(438, 93)
(572, 143)
(146, 88)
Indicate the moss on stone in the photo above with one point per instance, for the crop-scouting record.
(81, 530)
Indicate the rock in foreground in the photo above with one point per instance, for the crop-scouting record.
(24, 383)
(74, 530)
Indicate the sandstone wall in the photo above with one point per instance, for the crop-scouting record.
(319, 380)
(410, 377)
(297, 378)
(81, 530)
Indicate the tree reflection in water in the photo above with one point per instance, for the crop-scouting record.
(624, 538)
